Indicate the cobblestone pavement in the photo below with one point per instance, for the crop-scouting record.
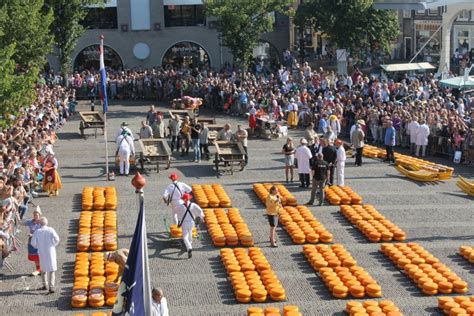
(437, 216)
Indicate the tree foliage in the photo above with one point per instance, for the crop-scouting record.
(27, 28)
(352, 24)
(24, 43)
(66, 27)
(242, 22)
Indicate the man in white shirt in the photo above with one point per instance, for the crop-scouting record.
(340, 162)
(45, 239)
(124, 130)
(303, 156)
(188, 212)
(422, 133)
(242, 137)
(412, 129)
(173, 194)
(125, 149)
(159, 304)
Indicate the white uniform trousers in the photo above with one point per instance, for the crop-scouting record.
(340, 173)
(49, 279)
(124, 162)
(174, 214)
(188, 234)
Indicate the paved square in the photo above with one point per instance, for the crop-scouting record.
(439, 217)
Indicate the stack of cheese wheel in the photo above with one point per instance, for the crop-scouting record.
(227, 228)
(110, 286)
(251, 275)
(96, 285)
(97, 231)
(302, 226)
(342, 195)
(373, 152)
(457, 305)
(262, 191)
(211, 196)
(467, 252)
(200, 196)
(177, 232)
(84, 235)
(87, 199)
(110, 230)
(372, 224)
(99, 198)
(412, 163)
(224, 200)
(110, 198)
(288, 310)
(340, 271)
(429, 274)
(81, 281)
(384, 307)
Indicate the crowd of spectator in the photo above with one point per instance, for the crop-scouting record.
(331, 101)
(28, 165)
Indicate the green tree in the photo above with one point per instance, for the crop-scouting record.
(242, 22)
(351, 24)
(66, 27)
(27, 28)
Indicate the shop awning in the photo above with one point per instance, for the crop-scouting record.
(407, 67)
(458, 82)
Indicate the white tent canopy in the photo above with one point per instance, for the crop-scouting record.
(458, 82)
(407, 67)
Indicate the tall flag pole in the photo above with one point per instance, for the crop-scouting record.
(104, 100)
(134, 293)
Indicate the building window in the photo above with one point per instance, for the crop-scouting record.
(463, 41)
(186, 54)
(420, 12)
(101, 18)
(184, 15)
(433, 11)
(472, 15)
(406, 14)
(463, 15)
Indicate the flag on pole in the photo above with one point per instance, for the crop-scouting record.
(134, 294)
(103, 77)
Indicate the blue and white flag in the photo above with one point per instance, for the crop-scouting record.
(103, 78)
(134, 294)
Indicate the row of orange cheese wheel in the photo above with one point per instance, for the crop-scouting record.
(429, 274)
(211, 195)
(99, 198)
(302, 226)
(94, 284)
(251, 275)
(457, 305)
(94, 314)
(372, 224)
(372, 308)
(177, 232)
(97, 231)
(340, 271)
(287, 310)
(262, 191)
(227, 227)
(467, 252)
(337, 195)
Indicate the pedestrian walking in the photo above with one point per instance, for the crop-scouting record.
(45, 239)
(357, 139)
(390, 141)
(173, 194)
(303, 156)
(289, 152)
(188, 214)
(204, 142)
(273, 206)
(340, 161)
(320, 171)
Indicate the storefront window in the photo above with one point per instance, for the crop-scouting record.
(88, 59)
(101, 18)
(424, 30)
(184, 15)
(266, 53)
(463, 41)
(186, 54)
